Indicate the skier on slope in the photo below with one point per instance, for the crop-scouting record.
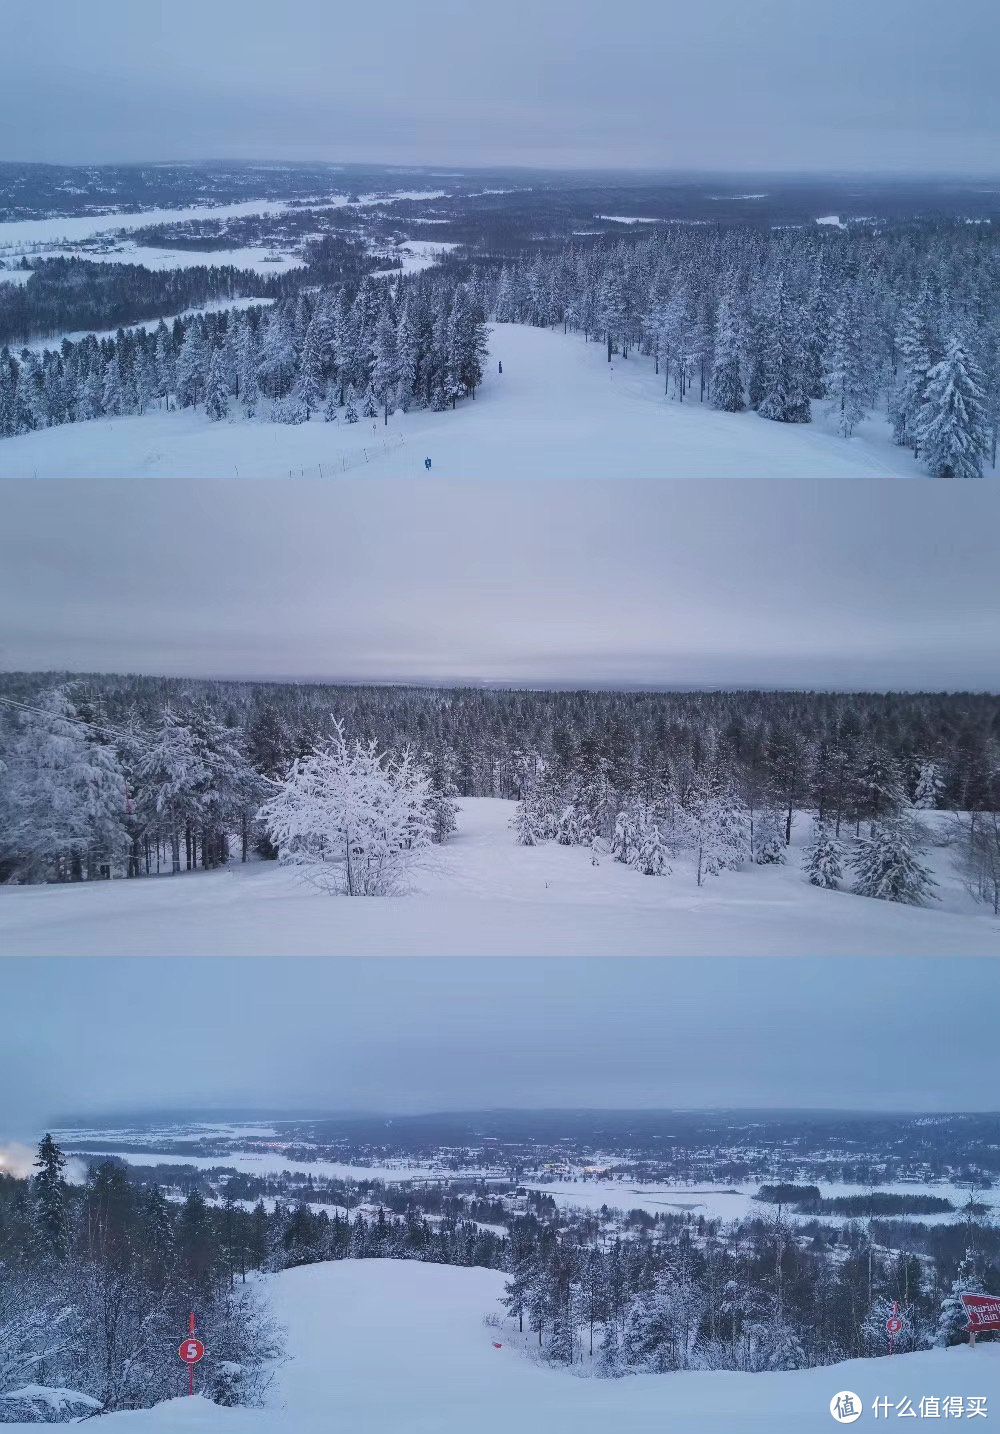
(427, 463)
(500, 366)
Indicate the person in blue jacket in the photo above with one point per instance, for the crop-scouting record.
(427, 462)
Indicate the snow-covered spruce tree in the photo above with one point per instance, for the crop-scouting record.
(784, 397)
(952, 1321)
(929, 786)
(769, 847)
(216, 388)
(192, 366)
(62, 798)
(527, 821)
(727, 376)
(51, 1199)
(952, 428)
(350, 818)
(350, 409)
(844, 377)
(712, 823)
(369, 406)
(914, 365)
(330, 407)
(887, 864)
(625, 838)
(781, 1347)
(650, 857)
(823, 858)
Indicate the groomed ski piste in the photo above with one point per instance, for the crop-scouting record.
(401, 1347)
(558, 410)
(483, 895)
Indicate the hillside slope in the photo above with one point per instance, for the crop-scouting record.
(400, 1347)
(559, 410)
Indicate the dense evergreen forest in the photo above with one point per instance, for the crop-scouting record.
(416, 342)
(73, 295)
(118, 774)
(899, 320)
(99, 1277)
(97, 1281)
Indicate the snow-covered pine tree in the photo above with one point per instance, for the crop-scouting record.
(887, 864)
(914, 364)
(625, 839)
(386, 365)
(216, 388)
(843, 376)
(650, 858)
(350, 409)
(311, 383)
(952, 428)
(51, 1199)
(952, 1320)
(192, 367)
(727, 376)
(823, 858)
(930, 785)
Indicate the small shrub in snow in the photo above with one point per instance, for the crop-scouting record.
(351, 818)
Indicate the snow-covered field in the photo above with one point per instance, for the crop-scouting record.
(482, 895)
(19, 236)
(559, 410)
(736, 1201)
(400, 1347)
(714, 1202)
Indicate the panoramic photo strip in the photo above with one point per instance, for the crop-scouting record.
(499, 716)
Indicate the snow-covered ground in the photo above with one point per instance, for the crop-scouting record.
(714, 1202)
(34, 235)
(483, 895)
(400, 1347)
(736, 1201)
(559, 410)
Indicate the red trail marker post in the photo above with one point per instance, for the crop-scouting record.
(192, 1352)
(894, 1324)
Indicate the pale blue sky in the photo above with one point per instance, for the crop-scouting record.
(89, 1035)
(748, 584)
(790, 84)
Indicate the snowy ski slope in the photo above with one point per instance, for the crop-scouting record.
(559, 410)
(400, 1347)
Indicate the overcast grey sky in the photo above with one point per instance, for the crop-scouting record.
(790, 84)
(88, 1035)
(806, 584)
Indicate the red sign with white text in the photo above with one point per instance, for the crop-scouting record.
(191, 1351)
(982, 1311)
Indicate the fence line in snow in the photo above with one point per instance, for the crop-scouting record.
(342, 462)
